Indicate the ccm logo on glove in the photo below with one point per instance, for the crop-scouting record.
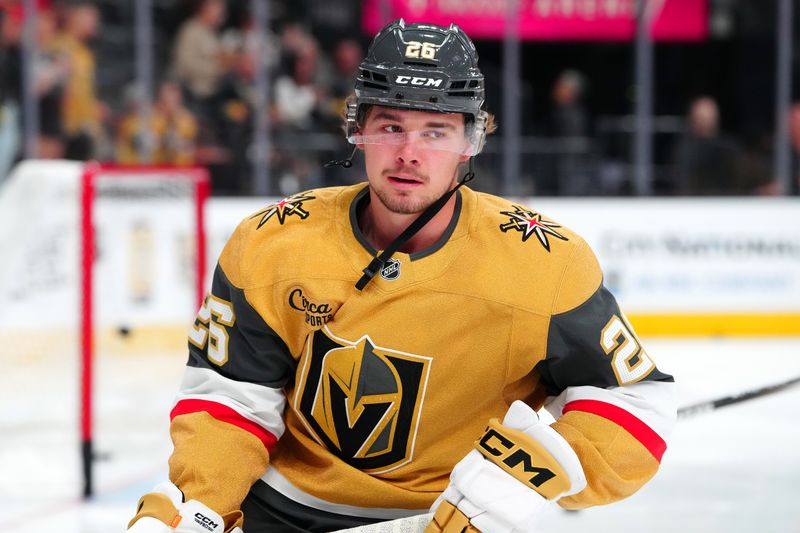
(205, 521)
(524, 458)
(512, 455)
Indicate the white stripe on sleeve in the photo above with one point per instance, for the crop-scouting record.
(260, 404)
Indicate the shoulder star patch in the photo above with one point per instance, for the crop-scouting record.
(530, 223)
(291, 205)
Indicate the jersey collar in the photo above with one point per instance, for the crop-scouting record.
(362, 199)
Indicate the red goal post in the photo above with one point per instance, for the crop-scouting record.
(193, 185)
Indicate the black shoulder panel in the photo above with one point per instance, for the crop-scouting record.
(575, 347)
(253, 350)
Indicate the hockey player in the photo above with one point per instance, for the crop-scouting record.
(369, 352)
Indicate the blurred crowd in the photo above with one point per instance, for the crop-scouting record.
(205, 93)
(203, 98)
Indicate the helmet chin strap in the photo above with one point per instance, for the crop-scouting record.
(345, 163)
(379, 261)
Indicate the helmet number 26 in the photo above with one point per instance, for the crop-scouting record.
(417, 49)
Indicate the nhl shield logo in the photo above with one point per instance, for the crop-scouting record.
(391, 270)
(361, 401)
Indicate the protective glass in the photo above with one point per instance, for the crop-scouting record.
(431, 139)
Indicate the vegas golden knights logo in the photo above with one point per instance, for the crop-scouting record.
(291, 205)
(362, 401)
(530, 223)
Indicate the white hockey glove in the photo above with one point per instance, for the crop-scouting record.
(164, 511)
(517, 469)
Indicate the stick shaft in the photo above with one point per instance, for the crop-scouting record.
(710, 405)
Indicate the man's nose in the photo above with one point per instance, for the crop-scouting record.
(408, 151)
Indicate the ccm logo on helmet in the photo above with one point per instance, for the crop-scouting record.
(515, 457)
(418, 81)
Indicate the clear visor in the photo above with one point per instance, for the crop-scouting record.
(441, 140)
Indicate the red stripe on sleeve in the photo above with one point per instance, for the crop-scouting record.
(640, 431)
(224, 414)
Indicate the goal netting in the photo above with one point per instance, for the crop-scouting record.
(102, 271)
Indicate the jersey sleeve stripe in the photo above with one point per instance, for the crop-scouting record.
(652, 402)
(224, 414)
(260, 405)
(638, 429)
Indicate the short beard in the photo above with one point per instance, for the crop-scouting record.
(404, 205)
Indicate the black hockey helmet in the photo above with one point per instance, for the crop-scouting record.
(424, 67)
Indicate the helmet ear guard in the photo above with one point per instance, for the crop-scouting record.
(476, 133)
(351, 119)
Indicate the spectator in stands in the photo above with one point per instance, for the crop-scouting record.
(347, 56)
(83, 112)
(51, 76)
(247, 51)
(296, 95)
(209, 68)
(569, 117)
(198, 58)
(236, 100)
(169, 138)
(296, 111)
(704, 158)
(294, 39)
(569, 124)
(50, 71)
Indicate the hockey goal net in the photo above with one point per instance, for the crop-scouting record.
(103, 268)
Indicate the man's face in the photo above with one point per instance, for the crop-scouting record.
(410, 175)
(86, 20)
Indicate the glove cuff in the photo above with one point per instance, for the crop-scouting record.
(448, 519)
(166, 505)
(158, 506)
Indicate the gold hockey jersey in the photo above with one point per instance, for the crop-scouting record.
(359, 403)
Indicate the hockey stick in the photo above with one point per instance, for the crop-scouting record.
(710, 405)
(416, 524)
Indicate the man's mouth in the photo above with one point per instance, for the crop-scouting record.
(404, 180)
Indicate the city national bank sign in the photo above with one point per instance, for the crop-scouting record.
(548, 20)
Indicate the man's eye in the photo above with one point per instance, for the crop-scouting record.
(433, 134)
(391, 128)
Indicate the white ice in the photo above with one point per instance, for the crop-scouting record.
(734, 470)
